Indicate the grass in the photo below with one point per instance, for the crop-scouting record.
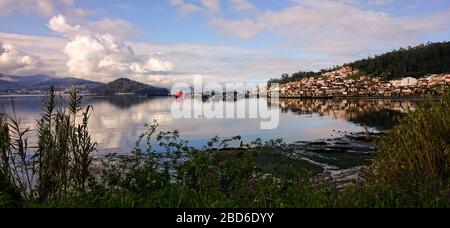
(410, 168)
(419, 148)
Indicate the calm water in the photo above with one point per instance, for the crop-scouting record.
(117, 121)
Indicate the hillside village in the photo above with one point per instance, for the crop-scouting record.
(348, 82)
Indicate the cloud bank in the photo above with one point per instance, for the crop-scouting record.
(211, 5)
(241, 5)
(14, 61)
(102, 56)
(40, 7)
(336, 28)
(185, 8)
(343, 30)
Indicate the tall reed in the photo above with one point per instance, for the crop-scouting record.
(82, 146)
(17, 173)
(6, 176)
(60, 162)
(64, 147)
(418, 149)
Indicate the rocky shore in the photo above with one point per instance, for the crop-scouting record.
(343, 160)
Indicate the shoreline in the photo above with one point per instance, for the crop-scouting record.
(357, 97)
(82, 94)
(281, 97)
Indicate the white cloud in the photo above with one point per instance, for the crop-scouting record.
(224, 63)
(115, 27)
(334, 28)
(243, 29)
(215, 63)
(185, 8)
(124, 7)
(59, 24)
(14, 61)
(101, 56)
(49, 50)
(211, 5)
(40, 7)
(77, 12)
(381, 2)
(241, 5)
(351, 2)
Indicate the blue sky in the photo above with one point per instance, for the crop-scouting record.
(165, 41)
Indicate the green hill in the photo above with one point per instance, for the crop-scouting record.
(125, 85)
(431, 58)
(408, 62)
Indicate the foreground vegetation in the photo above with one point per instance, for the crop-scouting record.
(410, 168)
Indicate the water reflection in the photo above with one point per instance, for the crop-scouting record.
(123, 101)
(117, 121)
(376, 113)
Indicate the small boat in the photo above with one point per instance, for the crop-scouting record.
(206, 97)
(179, 94)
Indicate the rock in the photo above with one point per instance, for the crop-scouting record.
(319, 143)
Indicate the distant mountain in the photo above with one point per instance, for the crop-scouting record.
(125, 85)
(64, 82)
(7, 85)
(11, 82)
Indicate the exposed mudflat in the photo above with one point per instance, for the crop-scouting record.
(348, 151)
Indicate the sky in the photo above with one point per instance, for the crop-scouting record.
(161, 42)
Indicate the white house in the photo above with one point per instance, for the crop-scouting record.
(409, 81)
